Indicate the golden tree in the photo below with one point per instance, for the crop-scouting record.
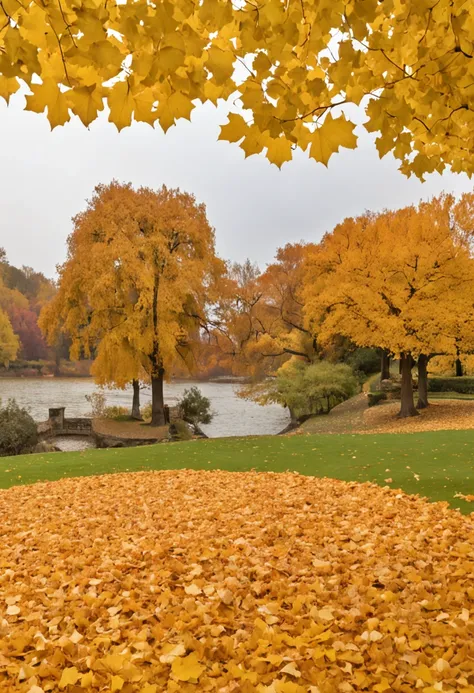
(407, 64)
(262, 326)
(401, 281)
(9, 342)
(133, 290)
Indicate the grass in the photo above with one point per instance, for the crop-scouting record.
(437, 464)
(449, 395)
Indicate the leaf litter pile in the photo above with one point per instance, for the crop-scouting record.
(233, 582)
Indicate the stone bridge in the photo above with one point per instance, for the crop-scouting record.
(58, 425)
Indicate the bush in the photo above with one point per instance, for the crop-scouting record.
(376, 398)
(97, 400)
(146, 412)
(463, 385)
(364, 360)
(117, 413)
(194, 407)
(180, 430)
(18, 431)
(306, 389)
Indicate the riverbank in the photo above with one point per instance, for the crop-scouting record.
(437, 465)
(233, 416)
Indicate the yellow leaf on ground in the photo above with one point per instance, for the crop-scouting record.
(291, 670)
(69, 677)
(116, 683)
(187, 668)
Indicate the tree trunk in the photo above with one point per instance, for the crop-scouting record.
(407, 404)
(422, 382)
(459, 369)
(385, 366)
(136, 400)
(157, 399)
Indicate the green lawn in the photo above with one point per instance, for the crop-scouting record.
(437, 465)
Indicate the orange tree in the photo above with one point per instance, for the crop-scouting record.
(133, 290)
(401, 281)
(261, 315)
(408, 65)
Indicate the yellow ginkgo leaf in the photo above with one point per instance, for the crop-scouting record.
(69, 677)
(292, 670)
(87, 679)
(187, 668)
(117, 683)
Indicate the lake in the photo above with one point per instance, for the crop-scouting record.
(233, 416)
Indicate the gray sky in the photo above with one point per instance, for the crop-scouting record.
(255, 208)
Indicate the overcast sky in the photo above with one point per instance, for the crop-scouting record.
(255, 208)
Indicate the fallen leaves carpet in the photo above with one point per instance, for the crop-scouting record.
(442, 415)
(232, 582)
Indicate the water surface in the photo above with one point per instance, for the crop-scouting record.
(233, 416)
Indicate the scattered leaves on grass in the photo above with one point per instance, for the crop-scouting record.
(185, 581)
(439, 416)
(467, 497)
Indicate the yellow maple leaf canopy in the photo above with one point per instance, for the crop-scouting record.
(407, 64)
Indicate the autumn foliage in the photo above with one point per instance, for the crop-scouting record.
(290, 65)
(184, 581)
(134, 290)
(402, 281)
(261, 314)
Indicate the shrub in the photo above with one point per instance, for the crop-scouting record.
(116, 412)
(306, 389)
(194, 407)
(97, 401)
(180, 430)
(146, 412)
(464, 385)
(18, 431)
(364, 360)
(376, 398)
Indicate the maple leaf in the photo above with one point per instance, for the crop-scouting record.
(121, 104)
(220, 63)
(235, 129)
(332, 134)
(279, 151)
(187, 668)
(85, 102)
(8, 86)
(48, 95)
(180, 105)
